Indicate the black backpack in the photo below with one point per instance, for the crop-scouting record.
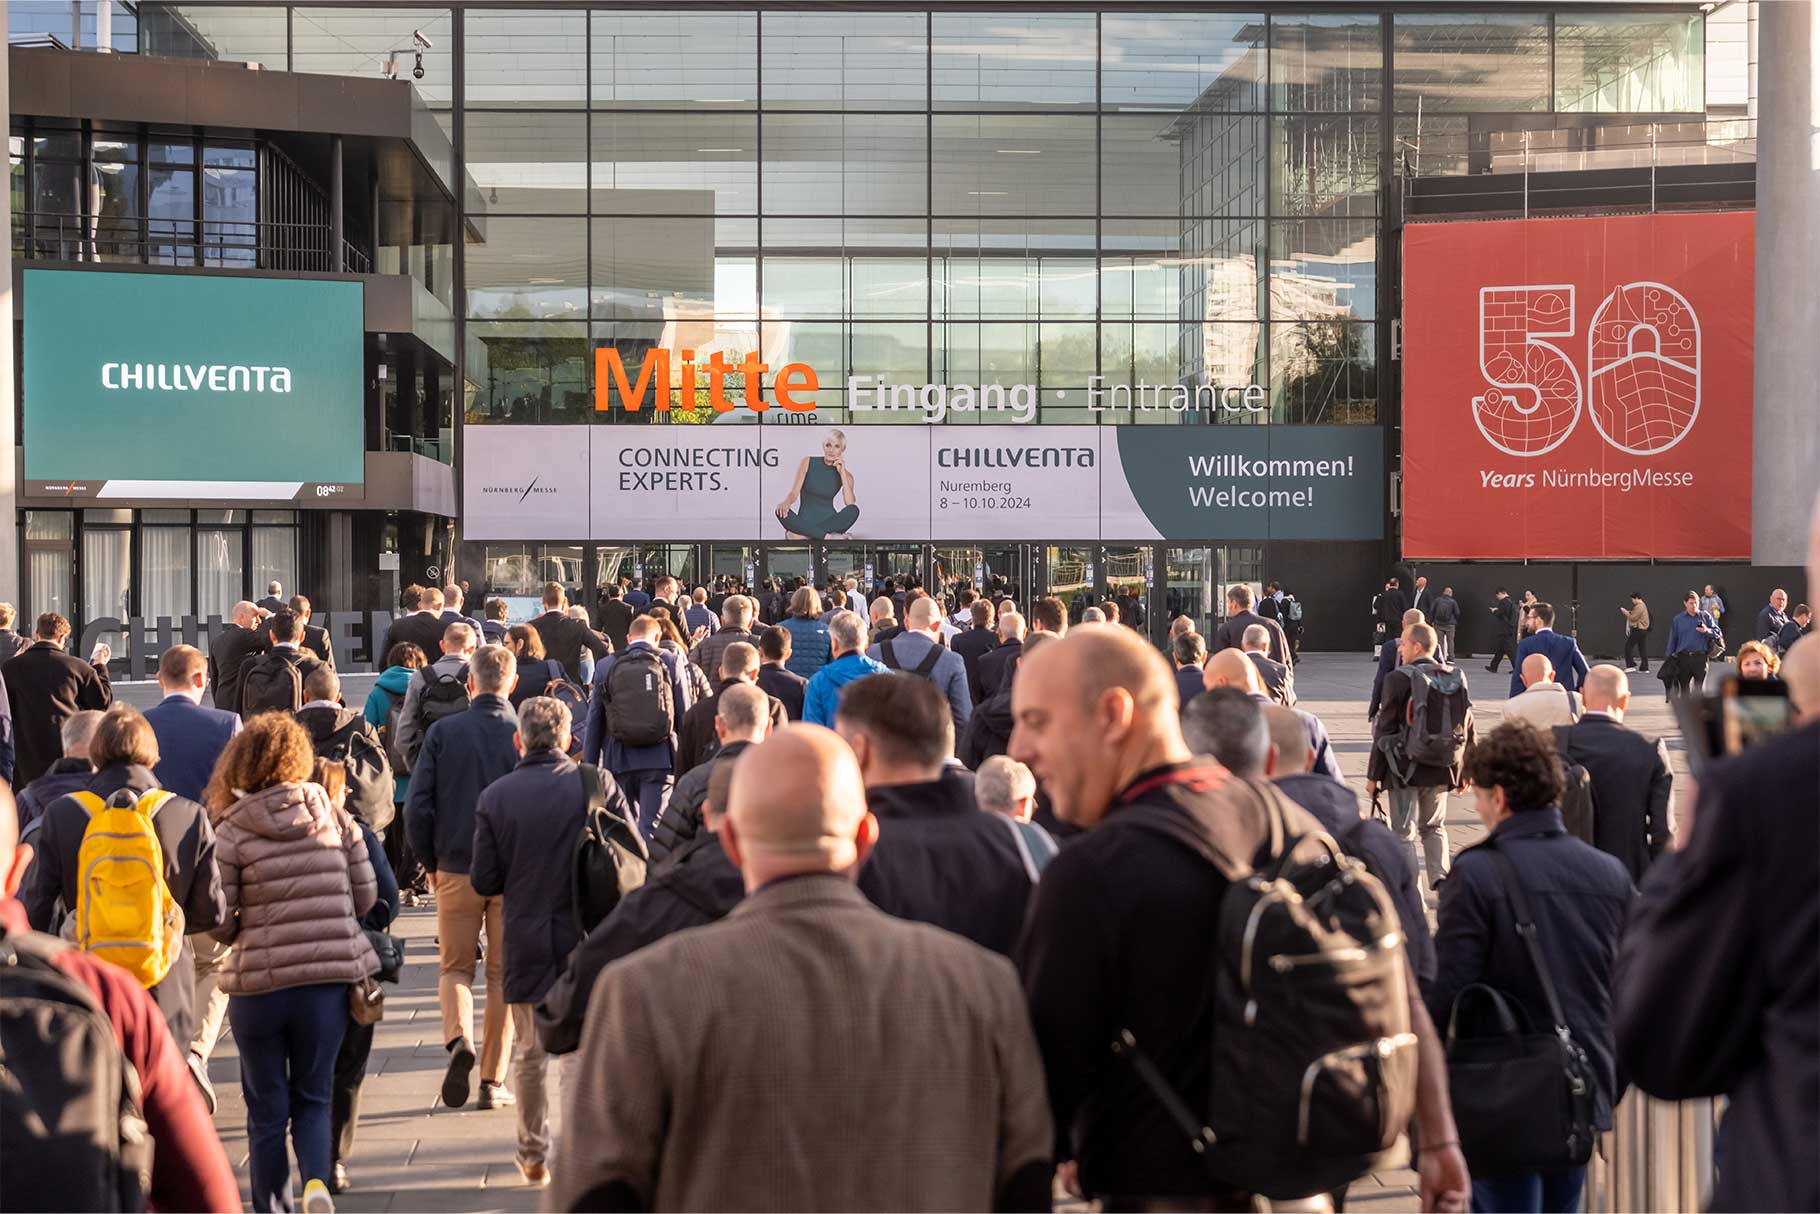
(271, 684)
(611, 858)
(640, 704)
(1433, 730)
(924, 669)
(1578, 808)
(72, 1136)
(575, 700)
(1314, 1058)
(443, 696)
(369, 771)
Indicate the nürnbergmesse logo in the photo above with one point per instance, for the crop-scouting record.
(1642, 368)
(519, 492)
(194, 377)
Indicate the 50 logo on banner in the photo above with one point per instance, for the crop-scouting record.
(1642, 365)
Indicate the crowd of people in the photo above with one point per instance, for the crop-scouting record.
(922, 902)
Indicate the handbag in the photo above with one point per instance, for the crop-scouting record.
(390, 951)
(366, 1001)
(1522, 1100)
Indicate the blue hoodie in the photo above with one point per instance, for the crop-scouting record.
(389, 687)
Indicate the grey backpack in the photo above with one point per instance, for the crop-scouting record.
(1433, 732)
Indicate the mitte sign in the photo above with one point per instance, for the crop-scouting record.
(1578, 389)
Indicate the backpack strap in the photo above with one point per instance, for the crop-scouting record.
(90, 803)
(888, 655)
(926, 667)
(1526, 928)
(153, 801)
(593, 787)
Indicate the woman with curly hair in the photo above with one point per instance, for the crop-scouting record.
(296, 876)
(1757, 661)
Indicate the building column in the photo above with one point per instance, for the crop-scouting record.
(1785, 442)
(338, 230)
(9, 438)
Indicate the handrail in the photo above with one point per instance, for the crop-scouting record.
(254, 244)
(1708, 141)
(1658, 1156)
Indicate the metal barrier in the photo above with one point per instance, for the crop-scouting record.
(230, 243)
(1658, 1156)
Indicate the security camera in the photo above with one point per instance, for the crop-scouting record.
(417, 71)
(417, 36)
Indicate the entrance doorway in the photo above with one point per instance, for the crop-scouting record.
(1070, 574)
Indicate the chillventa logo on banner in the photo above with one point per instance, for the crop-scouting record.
(193, 377)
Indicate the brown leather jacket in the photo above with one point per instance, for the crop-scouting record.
(296, 875)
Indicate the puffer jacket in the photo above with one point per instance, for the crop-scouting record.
(296, 874)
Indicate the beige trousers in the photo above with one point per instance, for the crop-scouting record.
(461, 915)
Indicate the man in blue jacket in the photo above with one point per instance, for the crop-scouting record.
(190, 737)
(524, 832)
(1690, 636)
(847, 644)
(1563, 652)
(461, 755)
(645, 771)
(919, 649)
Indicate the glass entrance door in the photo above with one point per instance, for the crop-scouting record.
(730, 566)
(1190, 587)
(1069, 573)
(788, 564)
(1128, 577)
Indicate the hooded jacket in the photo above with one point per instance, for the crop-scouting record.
(296, 875)
(370, 783)
(389, 689)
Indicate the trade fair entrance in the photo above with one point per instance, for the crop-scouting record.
(1152, 583)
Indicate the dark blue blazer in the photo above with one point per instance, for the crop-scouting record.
(1563, 651)
(190, 740)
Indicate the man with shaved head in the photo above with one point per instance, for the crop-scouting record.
(1232, 668)
(1545, 703)
(239, 641)
(920, 650)
(189, 1170)
(1388, 660)
(858, 1061)
(1116, 937)
(1632, 786)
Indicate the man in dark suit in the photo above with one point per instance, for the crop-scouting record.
(1631, 781)
(315, 640)
(636, 599)
(1504, 632)
(616, 615)
(273, 602)
(45, 686)
(1421, 600)
(1695, 1019)
(976, 642)
(1569, 663)
(997, 668)
(1279, 680)
(1190, 653)
(667, 590)
(565, 638)
(455, 611)
(1388, 660)
(422, 627)
(238, 642)
(1391, 606)
(1239, 617)
(190, 737)
(774, 678)
(1773, 618)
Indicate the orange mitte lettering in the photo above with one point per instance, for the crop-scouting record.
(753, 368)
(610, 370)
(796, 377)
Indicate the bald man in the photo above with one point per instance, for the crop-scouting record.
(231, 649)
(1117, 930)
(1545, 703)
(189, 1170)
(808, 1051)
(919, 649)
(1232, 668)
(1388, 660)
(1632, 786)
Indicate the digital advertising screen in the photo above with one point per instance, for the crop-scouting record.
(143, 385)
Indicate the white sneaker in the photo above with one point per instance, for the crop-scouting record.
(536, 1173)
(316, 1199)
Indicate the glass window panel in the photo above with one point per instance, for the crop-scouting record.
(530, 374)
(1326, 61)
(107, 578)
(1143, 268)
(1182, 164)
(222, 518)
(1325, 166)
(227, 34)
(530, 58)
(1141, 353)
(534, 163)
(116, 202)
(674, 164)
(1013, 61)
(1067, 354)
(1471, 61)
(50, 525)
(1322, 268)
(661, 269)
(274, 516)
(164, 516)
(875, 268)
(996, 164)
(1224, 355)
(48, 580)
(674, 60)
(230, 207)
(165, 583)
(172, 214)
(338, 41)
(992, 353)
(1178, 61)
(529, 269)
(830, 61)
(1439, 145)
(1630, 63)
(220, 570)
(893, 352)
(992, 268)
(845, 164)
(1324, 372)
(275, 555)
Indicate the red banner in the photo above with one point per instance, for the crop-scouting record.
(1578, 388)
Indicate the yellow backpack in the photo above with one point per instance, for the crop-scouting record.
(124, 910)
